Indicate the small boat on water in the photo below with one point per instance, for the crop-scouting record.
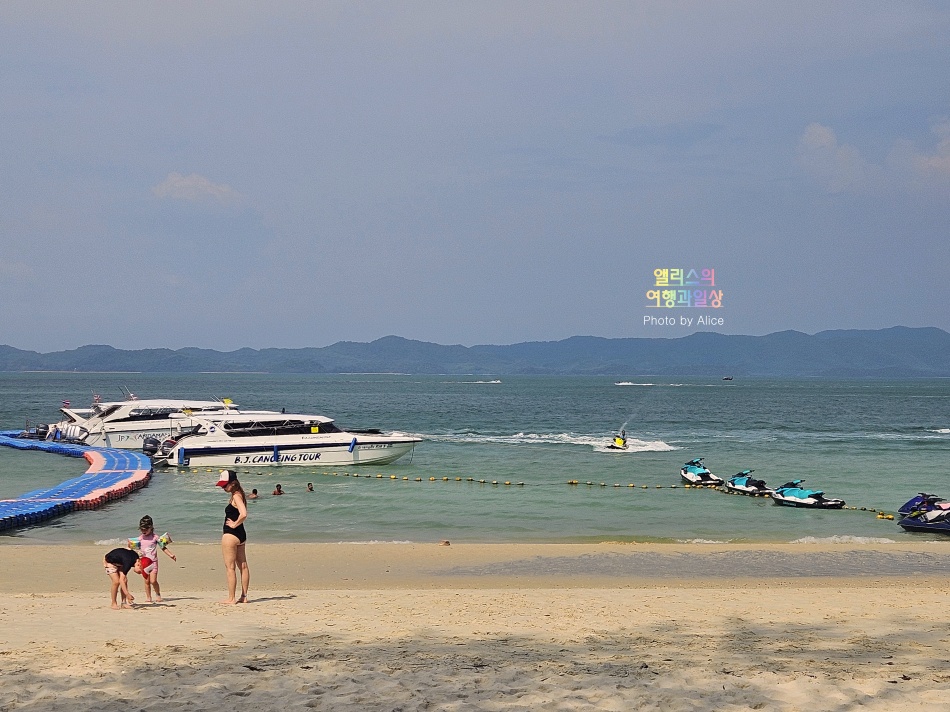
(936, 521)
(744, 483)
(127, 423)
(619, 442)
(267, 439)
(925, 513)
(695, 472)
(791, 494)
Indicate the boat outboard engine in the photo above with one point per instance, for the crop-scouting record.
(167, 446)
(150, 446)
(42, 431)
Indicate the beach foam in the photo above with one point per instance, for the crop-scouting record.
(843, 540)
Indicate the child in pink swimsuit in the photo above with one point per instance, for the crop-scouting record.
(149, 544)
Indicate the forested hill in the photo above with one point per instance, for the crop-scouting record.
(898, 352)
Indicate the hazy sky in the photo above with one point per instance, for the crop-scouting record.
(228, 174)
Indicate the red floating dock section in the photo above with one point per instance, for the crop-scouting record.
(117, 479)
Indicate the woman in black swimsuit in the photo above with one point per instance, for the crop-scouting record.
(234, 537)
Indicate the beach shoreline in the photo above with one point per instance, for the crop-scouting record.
(44, 568)
(493, 627)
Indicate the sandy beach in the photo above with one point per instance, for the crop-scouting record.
(484, 627)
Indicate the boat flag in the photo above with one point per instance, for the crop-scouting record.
(65, 404)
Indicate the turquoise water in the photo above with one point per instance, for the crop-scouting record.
(873, 443)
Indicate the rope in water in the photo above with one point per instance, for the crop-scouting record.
(881, 514)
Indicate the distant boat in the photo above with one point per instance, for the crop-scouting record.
(727, 378)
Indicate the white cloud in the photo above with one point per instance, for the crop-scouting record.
(936, 165)
(836, 167)
(840, 168)
(921, 169)
(195, 189)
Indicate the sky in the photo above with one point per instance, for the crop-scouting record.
(294, 174)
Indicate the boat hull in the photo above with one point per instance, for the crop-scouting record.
(809, 503)
(914, 524)
(702, 482)
(703, 479)
(128, 439)
(295, 454)
(748, 491)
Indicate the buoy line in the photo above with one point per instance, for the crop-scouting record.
(575, 483)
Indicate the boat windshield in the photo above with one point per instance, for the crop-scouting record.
(157, 412)
(101, 412)
(148, 414)
(286, 426)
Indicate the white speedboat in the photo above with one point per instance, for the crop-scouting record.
(128, 423)
(228, 439)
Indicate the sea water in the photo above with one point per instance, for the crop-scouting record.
(873, 443)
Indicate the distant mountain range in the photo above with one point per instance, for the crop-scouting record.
(898, 352)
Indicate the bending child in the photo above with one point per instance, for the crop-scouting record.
(149, 544)
(117, 564)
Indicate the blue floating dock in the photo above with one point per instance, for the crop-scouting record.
(112, 474)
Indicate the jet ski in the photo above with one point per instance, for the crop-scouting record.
(791, 494)
(936, 520)
(695, 472)
(923, 502)
(742, 483)
(620, 442)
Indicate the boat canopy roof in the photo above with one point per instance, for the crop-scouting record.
(261, 424)
(236, 419)
(145, 409)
